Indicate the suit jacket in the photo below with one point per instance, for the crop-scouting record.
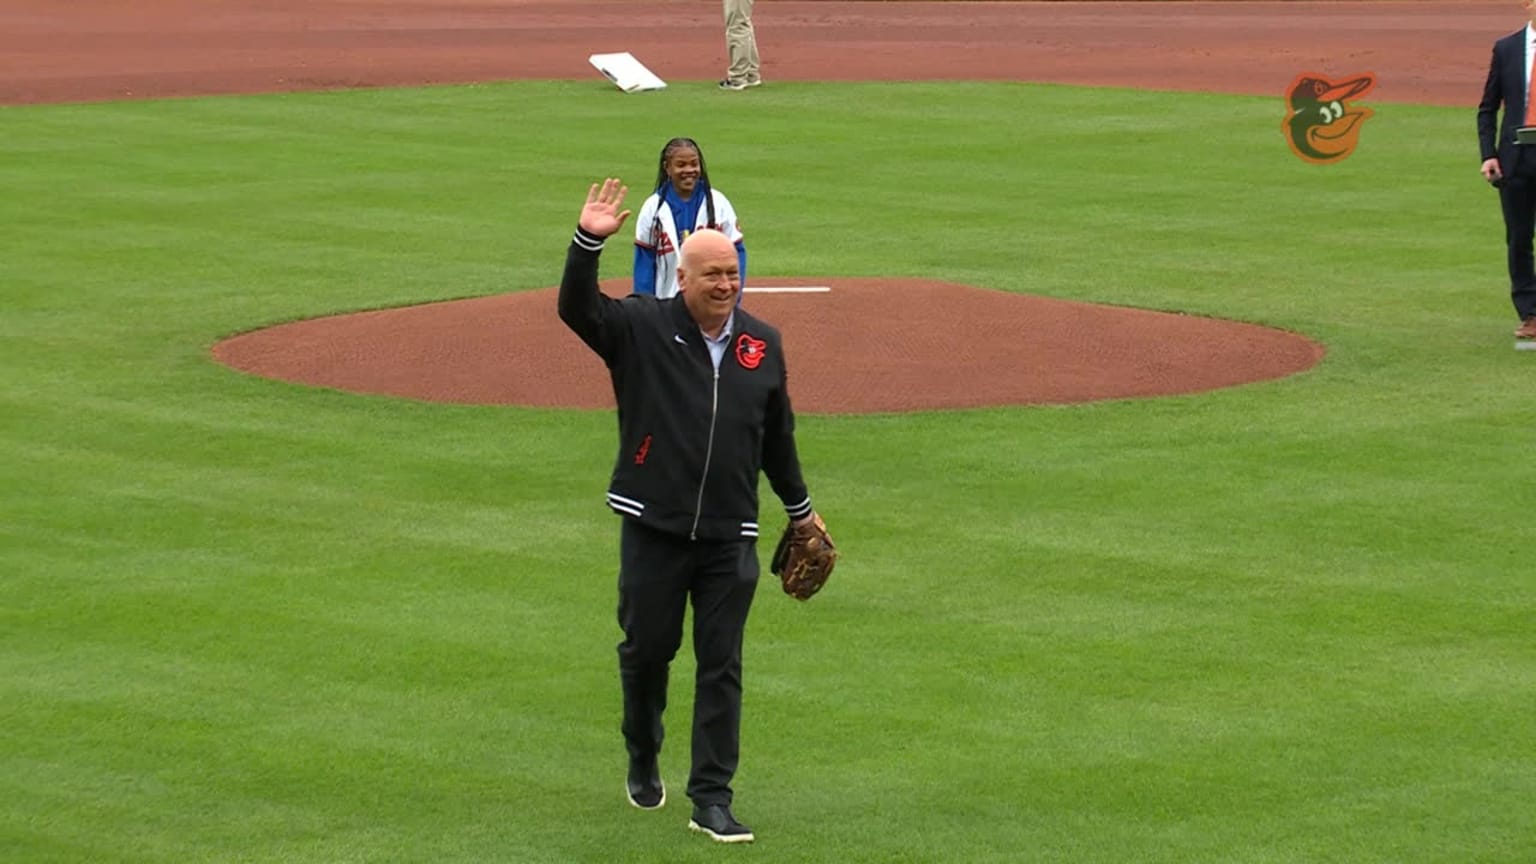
(1506, 85)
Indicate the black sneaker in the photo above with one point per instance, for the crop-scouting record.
(644, 786)
(732, 84)
(716, 821)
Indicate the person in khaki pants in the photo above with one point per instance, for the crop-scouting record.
(740, 47)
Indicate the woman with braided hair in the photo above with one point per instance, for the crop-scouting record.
(684, 202)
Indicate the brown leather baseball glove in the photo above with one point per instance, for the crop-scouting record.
(804, 558)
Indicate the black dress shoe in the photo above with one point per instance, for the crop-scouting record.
(644, 785)
(716, 821)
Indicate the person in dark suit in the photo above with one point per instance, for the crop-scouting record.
(1511, 166)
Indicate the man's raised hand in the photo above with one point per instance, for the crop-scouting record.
(601, 215)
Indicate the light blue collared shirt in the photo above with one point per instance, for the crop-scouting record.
(717, 346)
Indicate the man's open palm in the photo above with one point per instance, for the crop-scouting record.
(601, 215)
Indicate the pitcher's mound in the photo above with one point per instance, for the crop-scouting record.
(862, 345)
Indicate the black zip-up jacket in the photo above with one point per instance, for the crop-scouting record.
(691, 440)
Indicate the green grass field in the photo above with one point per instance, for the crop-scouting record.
(247, 621)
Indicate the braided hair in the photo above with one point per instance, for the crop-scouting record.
(667, 151)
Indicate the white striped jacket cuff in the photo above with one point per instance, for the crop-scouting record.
(628, 506)
(801, 510)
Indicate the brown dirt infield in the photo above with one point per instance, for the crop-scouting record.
(1432, 51)
(867, 345)
(1000, 348)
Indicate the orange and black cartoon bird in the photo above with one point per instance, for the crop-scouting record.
(1321, 127)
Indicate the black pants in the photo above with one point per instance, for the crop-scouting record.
(658, 574)
(1517, 195)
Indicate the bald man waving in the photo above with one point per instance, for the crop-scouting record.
(703, 408)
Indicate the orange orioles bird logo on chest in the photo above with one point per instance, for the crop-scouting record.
(1321, 126)
(750, 351)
